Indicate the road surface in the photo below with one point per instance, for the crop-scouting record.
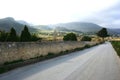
(97, 63)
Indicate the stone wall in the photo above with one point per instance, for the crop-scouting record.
(11, 51)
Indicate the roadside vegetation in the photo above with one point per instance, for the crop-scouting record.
(26, 36)
(116, 45)
(86, 38)
(12, 36)
(7, 66)
(70, 37)
(103, 33)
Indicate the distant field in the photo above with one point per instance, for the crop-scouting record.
(116, 45)
(51, 35)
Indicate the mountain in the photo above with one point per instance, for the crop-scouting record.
(7, 23)
(81, 26)
(116, 30)
(111, 32)
(63, 29)
(24, 23)
(43, 27)
(85, 27)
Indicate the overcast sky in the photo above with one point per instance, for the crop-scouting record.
(103, 12)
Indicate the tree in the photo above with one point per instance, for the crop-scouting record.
(102, 33)
(34, 37)
(3, 36)
(12, 36)
(25, 35)
(86, 38)
(70, 37)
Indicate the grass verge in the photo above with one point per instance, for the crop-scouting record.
(116, 45)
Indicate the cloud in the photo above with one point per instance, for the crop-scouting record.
(61, 11)
(52, 11)
(107, 18)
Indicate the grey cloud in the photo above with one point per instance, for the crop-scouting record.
(108, 18)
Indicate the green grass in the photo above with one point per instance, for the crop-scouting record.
(12, 62)
(116, 45)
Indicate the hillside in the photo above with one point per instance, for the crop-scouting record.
(7, 23)
(24, 22)
(80, 26)
(112, 32)
(42, 27)
(63, 29)
(89, 28)
(116, 30)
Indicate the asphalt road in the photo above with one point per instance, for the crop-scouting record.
(97, 63)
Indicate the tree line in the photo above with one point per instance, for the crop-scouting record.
(26, 36)
(12, 36)
(72, 37)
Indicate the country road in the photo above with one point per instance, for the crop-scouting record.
(96, 63)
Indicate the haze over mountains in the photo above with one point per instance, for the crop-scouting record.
(81, 26)
(85, 27)
(7, 23)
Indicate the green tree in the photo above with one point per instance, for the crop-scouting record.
(86, 38)
(34, 37)
(102, 33)
(25, 35)
(70, 37)
(12, 36)
(3, 36)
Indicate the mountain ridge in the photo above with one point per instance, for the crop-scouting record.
(80, 27)
(7, 23)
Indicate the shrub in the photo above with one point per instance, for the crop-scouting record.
(70, 37)
(87, 46)
(50, 55)
(12, 62)
(34, 37)
(86, 38)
